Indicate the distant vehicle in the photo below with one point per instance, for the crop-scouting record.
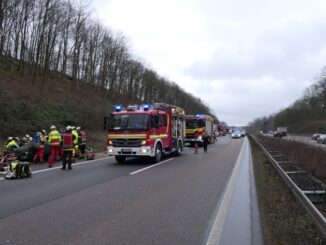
(236, 134)
(243, 133)
(315, 136)
(223, 133)
(280, 132)
(321, 139)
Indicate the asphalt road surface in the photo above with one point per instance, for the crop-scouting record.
(102, 202)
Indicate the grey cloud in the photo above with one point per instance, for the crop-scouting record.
(292, 52)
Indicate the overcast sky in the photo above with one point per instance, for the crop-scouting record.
(244, 58)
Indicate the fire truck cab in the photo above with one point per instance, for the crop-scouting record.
(196, 126)
(145, 131)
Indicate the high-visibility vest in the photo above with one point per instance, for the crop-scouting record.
(75, 133)
(67, 141)
(43, 139)
(12, 144)
(54, 138)
(13, 165)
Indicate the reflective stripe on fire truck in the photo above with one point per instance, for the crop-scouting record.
(127, 136)
(162, 136)
(192, 131)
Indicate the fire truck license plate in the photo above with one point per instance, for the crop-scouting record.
(126, 150)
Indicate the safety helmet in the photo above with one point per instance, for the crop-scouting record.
(43, 131)
(16, 138)
(30, 139)
(52, 127)
(68, 128)
(72, 127)
(78, 128)
(27, 136)
(38, 133)
(10, 138)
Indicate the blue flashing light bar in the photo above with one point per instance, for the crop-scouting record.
(146, 107)
(200, 116)
(117, 108)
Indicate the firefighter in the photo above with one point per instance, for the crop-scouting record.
(75, 133)
(196, 143)
(81, 142)
(205, 141)
(54, 141)
(5, 145)
(39, 140)
(12, 145)
(67, 146)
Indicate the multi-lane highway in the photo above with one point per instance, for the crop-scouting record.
(177, 201)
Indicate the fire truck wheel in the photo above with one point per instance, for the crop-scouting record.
(179, 149)
(120, 159)
(158, 153)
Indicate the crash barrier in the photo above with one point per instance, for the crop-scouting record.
(309, 191)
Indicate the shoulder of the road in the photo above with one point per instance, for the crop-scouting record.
(237, 218)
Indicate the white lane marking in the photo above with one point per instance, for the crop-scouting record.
(74, 164)
(152, 166)
(216, 231)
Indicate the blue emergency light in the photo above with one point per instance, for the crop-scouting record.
(146, 107)
(199, 116)
(117, 108)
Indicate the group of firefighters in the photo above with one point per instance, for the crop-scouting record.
(64, 145)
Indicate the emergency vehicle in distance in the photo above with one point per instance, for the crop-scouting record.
(145, 131)
(196, 126)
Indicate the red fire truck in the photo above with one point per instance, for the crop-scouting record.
(145, 131)
(196, 126)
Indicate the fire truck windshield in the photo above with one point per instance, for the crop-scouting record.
(128, 122)
(195, 123)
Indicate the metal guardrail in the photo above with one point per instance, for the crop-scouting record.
(305, 197)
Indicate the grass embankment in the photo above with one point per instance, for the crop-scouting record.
(283, 220)
(28, 105)
(304, 156)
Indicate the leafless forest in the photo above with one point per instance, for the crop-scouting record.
(60, 36)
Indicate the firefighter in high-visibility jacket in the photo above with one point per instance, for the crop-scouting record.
(75, 133)
(5, 146)
(67, 147)
(54, 141)
(12, 145)
(81, 142)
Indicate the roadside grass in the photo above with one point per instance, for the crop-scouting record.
(283, 220)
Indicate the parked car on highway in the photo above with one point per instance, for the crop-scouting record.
(315, 136)
(243, 133)
(321, 139)
(236, 135)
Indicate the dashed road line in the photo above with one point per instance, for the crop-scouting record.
(152, 166)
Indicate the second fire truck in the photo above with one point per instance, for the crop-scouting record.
(145, 131)
(196, 126)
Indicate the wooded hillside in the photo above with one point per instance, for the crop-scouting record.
(307, 115)
(59, 66)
